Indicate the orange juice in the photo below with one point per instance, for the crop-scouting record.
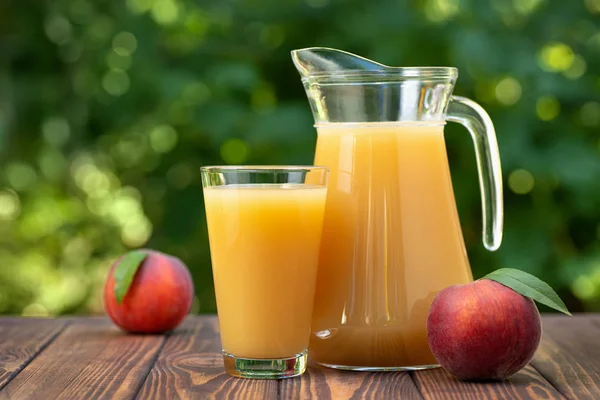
(391, 241)
(264, 243)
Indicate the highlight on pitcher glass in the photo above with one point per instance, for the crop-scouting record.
(391, 235)
(264, 226)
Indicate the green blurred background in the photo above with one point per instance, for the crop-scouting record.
(108, 109)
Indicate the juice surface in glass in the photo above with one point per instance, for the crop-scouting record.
(264, 242)
(391, 241)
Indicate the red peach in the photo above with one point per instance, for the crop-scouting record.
(483, 330)
(158, 299)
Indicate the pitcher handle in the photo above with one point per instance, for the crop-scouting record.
(473, 117)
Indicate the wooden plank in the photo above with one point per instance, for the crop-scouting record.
(569, 356)
(324, 383)
(91, 359)
(21, 339)
(525, 384)
(190, 366)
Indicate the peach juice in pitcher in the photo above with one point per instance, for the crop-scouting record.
(391, 234)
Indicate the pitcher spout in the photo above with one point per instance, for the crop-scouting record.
(345, 88)
(319, 61)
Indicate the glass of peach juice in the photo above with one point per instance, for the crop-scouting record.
(264, 228)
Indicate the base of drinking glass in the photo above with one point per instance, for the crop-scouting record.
(263, 368)
(379, 369)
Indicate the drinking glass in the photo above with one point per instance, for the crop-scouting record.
(264, 226)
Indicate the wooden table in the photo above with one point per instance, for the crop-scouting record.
(88, 358)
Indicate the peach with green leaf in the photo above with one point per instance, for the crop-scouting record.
(148, 292)
(489, 329)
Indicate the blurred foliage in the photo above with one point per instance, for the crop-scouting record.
(108, 109)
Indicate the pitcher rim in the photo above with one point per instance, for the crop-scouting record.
(391, 73)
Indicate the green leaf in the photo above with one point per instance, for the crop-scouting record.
(125, 272)
(529, 286)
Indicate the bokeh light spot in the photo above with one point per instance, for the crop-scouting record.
(80, 161)
(441, 10)
(126, 211)
(44, 216)
(594, 42)
(98, 205)
(556, 57)
(139, 6)
(508, 91)
(52, 163)
(195, 93)
(521, 181)
(547, 108)
(165, 12)
(129, 152)
(593, 6)
(234, 151)
(582, 30)
(124, 43)
(35, 310)
(584, 288)
(115, 82)
(132, 192)
(96, 184)
(124, 208)
(197, 23)
(91, 180)
(577, 69)
(590, 114)
(56, 130)
(64, 291)
(263, 100)
(526, 7)
(10, 206)
(102, 28)
(70, 53)
(58, 29)
(77, 249)
(21, 176)
(485, 91)
(136, 232)
(163, 138)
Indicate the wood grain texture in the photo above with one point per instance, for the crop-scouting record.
(87, 358)
(323, 384)
(569, 356)
(190, 366)
(90, 359)
(525, 384)
(21, 340)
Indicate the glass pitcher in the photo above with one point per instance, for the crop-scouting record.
(391, 238)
